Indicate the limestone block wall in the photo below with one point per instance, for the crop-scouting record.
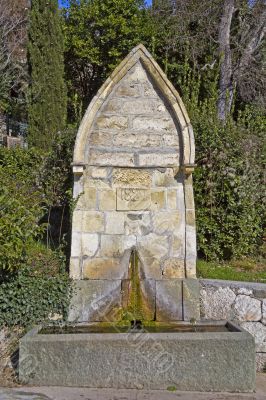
(133, 192)
(133, 185)
(111, 218)
(135, 127)
(243, 302)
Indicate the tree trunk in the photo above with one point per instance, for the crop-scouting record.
(226, 73)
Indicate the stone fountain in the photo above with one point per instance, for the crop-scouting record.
(133, 259)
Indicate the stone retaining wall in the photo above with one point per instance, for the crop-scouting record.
(243, 302)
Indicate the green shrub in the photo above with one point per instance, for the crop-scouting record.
(35, 193)
(21, 205)
(43, 261)
(228, 195)
(26, 299)
(228, 179)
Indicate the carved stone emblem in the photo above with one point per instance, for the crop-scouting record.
(133, 199)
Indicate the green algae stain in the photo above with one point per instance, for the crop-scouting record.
(137, 306)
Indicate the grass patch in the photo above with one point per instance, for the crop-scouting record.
(239, 270)
(171, 389)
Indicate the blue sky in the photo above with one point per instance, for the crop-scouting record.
(64, 2)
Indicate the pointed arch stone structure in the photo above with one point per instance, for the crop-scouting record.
(133, 163)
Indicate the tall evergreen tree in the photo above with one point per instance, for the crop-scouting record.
(48, 97)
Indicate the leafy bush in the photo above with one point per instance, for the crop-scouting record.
(21, 205)
(229, 174)
(33, 185)
(228, 181)
(33, 283)
(26, 299)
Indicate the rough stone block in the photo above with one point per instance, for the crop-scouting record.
(103, 268)
(189, 197)
(125, 139)
(138, 75)
(87, 200)
(246, 291)
(131, 90)
(150, 268)
(125, 177)
(149, 90)
(90, 244)
(153, 124)
(130, 241)
(217, 303)
(77, 220)
(190, 217)
(247, 309)
(112, 159)
(164, 178)
(74, 269)
(76, 244)
(191, 267)
(174, 268)
(257, 330)
(169, 300)
(152, 246)
(96, 183)
(178, 245)
(78, 186)
(133, 199)
(94, 300)
(166, 221)
(111, 122)
(191, 299)
(137, 140)
(93, 221)
(180, 198)
(171, 140)
(137, 224)
(158, 159)
(171, 199)
(148, 106)
(191, 242)
(260, 362)
(112, 246)
(115, 223)
(107, 200)
(99, 172)
(98, 138)
(157, 199)
(138, 106)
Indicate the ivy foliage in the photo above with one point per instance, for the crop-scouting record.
(33, 183)
(21, 205)
(26, 299)
(33, 280)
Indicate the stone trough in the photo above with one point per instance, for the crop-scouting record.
(213, 356)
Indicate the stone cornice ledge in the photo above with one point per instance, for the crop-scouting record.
(78, 168)
(188, 169)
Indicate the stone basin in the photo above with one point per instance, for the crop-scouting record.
(206, 356)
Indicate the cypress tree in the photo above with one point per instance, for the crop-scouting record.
(47, 96)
